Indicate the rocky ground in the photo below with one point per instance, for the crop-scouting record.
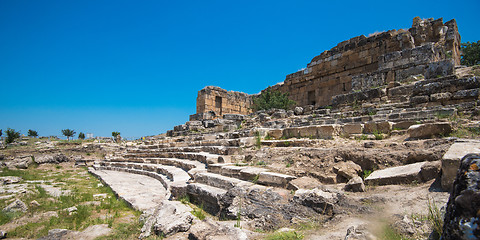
(48, 193)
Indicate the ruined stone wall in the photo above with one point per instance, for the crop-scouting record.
(369, 62)
(214, 102)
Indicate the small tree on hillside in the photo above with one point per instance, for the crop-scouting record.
(115, 134)
(470, 53)
(81, 135)
(269, 99)
(68, 133)
(1, 132)
(12, 135)
(32, 133)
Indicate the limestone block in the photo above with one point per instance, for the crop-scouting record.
(379, 127)
(403, 124)
(303, 183)
(440, 69)
(275, 133)
(355, 185)
(396, 175)
(274, 179)
(352, 128)
(469, 93)
(347, 170)
(440, 97)
(451, 161)
(429, 130)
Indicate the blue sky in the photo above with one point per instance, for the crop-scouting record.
(136, 66)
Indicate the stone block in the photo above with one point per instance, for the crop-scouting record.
(429, 130)
(379, 127)
(397, 175)
(469, 93)
(419, 99)
(275, 133)
(440, 69)
(451, 161)
(355, 185)
(403, 125)
(274, 179)
(352, 128)
(440, 97)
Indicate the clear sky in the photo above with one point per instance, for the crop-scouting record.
(135, 67)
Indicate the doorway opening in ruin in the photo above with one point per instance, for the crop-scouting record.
(344, 87)
(218, 105)
(311, 98)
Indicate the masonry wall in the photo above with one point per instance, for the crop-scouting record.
(216, 102)
(366, 62)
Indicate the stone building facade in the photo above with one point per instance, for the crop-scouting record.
(374, 61)
(380, 61)
(214, 102)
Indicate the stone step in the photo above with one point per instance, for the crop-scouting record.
(174, 174)
(252, 174)
(220, 181)
(203, 157)
(208, 197)
(220, 150)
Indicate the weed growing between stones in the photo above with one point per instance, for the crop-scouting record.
(198, 212)
(435, 218)
(290, 235)
(391, 234)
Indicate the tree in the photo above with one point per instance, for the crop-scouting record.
(68, 133)
(1, 132)
(81, 135)
(11, 135)
(470, 53)
(32, 133)
(115, 134)
(269, 99)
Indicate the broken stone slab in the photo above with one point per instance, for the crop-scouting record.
(303, 183)
(452, 159)
(10, 180)
(355, 185)
(428, 130)
(274, 179)
(347, 170)
(51, 158)
(399, 175)
(322, 202)
(210, 230)
(16, 206)
(168, 218)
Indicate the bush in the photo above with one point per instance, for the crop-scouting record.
(32, 133)
(269, 99)
(12, 135)
(470, 53)
(81, 135)
(115, 134)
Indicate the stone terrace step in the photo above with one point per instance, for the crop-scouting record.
(220, 150)
(203, 157)
(172, 173)
(206, 196)
(220, 181)
(186, 165)
(252, 174)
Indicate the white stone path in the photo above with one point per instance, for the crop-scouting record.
(142, 192)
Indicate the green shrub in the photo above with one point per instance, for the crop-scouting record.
(32, 133)
(269, 99)
(470, 53)
(198, 212)
(12, 135)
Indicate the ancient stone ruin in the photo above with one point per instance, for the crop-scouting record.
(374, 138)
(359, 69)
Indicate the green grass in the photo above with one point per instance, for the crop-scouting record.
(199, 213)
(435, 218)
(82, 187)
(290, 235)
(391, 234)
(378, 135)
